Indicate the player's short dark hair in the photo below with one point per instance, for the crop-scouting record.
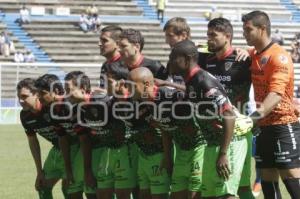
(118, 72)
(79, 79)
(221, 24)
(179, 26)
(28, 83)
(259, 19)
(133, 36)
(114, 30)
(186, 48)
(49, 82)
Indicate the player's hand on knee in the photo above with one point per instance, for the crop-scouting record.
(223, 166)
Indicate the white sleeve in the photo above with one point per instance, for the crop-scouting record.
(251, 103)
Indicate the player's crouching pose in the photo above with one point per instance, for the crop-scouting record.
(35, 119)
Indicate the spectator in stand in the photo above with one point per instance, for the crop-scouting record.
(160, 5)
(96, 23)
(213, 13)
(5, 44)
(278, 37)
(29, 57)
(85, 23)
(19, 58)
(295, 54)
(91, 10)
(24, 15)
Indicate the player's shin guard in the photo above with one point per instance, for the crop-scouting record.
(45, 193)
(247, 194)
(65, 192)
(293, 187)
(271, 190)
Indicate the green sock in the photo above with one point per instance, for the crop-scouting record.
(246, 195)
(45, 193)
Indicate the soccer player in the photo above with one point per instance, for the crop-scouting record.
(153, 178)
(176, 30)
(109, 37)
(131, 45)
(118, 165)
(189, 139)
(59, 110)
(36, 120)
(272, 73)
(78, 89)
(235, 76)
(225, 154)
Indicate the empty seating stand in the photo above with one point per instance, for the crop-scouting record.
(63, 41)
(111, 7)
(230, 8)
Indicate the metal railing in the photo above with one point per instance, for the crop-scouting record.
(12, 73)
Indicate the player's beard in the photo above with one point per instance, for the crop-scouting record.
(215, 49)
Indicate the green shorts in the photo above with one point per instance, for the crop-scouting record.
(117, 168)
(78, 171)
(212, 184)
(54, 167)
(246, 173)
(76, 163)
(149, 175)
(187, 171)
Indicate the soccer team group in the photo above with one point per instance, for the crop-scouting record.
(180, 131)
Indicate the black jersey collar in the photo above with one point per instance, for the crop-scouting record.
(227, 53)
(137, 63)
(266, 48)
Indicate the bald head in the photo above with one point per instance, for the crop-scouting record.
(141, 74)
(143, 83)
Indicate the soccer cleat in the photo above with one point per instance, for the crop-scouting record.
(256, 189)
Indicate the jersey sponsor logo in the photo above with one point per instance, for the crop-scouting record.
(224, 78)
(99, 131)
(264, 60)
(228, 65)
(283, 59)
(210, 65)
(47, 132)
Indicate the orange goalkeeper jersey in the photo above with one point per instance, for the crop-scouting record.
(272, 70)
